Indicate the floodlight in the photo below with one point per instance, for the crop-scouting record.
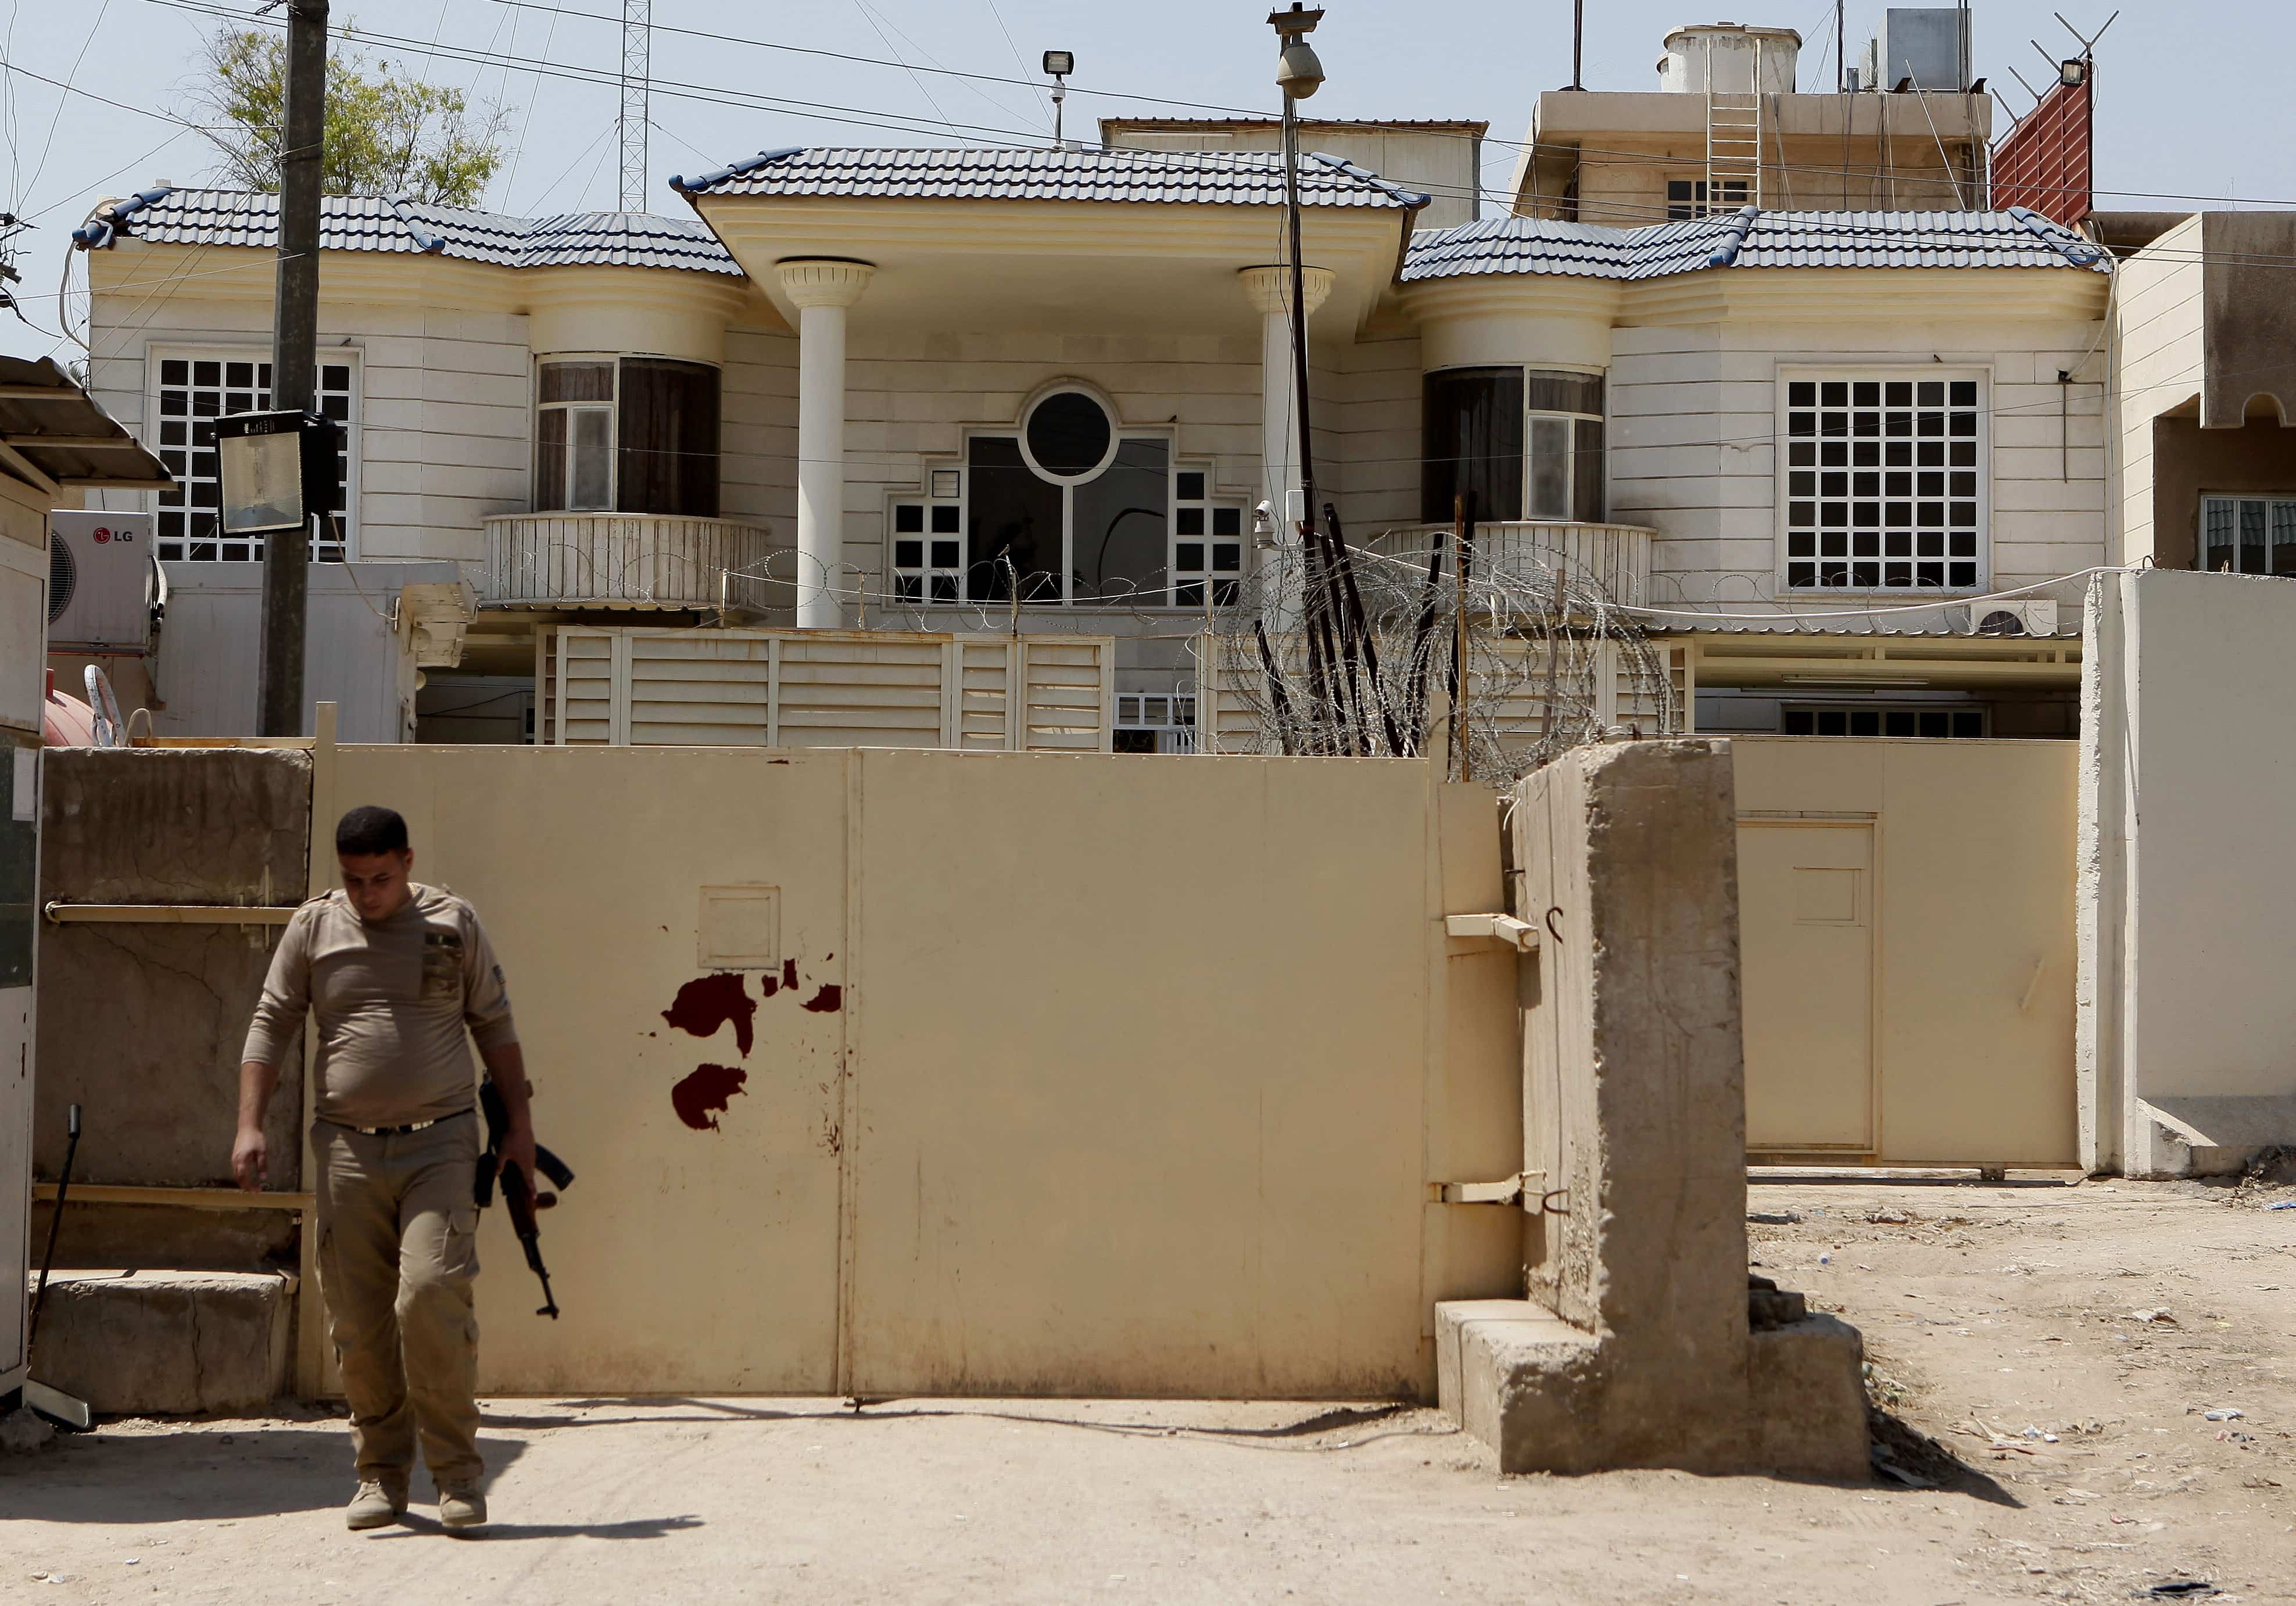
(277, 470)
(1059, 63)
(2072, 75)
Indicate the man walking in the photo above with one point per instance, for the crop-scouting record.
(397, 972)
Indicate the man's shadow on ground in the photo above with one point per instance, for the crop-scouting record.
(200, 1475)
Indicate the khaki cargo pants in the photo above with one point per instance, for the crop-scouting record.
(398, 1249)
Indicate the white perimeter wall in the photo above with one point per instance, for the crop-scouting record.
(1695, 411)
(2187, 893)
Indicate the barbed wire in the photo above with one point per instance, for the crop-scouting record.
(1529, 658)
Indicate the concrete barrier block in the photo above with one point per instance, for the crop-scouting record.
(166, 1343)
(1806, 1399)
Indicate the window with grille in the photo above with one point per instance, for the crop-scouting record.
(196, 390)
(1207, 544)
(928, 543)
(1154, 722)
(1884, 721)
(2248, 535)
(1689, 197)
(1884, 483)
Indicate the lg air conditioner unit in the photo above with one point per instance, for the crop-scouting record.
(100, 581)
(2013, 618)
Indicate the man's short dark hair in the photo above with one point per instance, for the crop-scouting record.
(371, 829)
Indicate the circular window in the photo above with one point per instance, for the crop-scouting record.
(1069, 435)
(63, 577)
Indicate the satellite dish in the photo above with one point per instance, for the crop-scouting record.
(111, 729)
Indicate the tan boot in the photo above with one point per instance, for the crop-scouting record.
(462, 1510)
(373, 1506)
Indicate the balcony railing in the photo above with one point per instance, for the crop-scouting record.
(1616, 557)
(620, 560)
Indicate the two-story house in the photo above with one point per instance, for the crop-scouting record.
(1047, 390)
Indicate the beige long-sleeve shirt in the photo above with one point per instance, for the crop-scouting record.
(393, 999)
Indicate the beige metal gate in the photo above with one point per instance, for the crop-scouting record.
(1806, 917)
(1906, 943)
(1064, 1073)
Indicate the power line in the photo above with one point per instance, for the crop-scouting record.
(864, 117)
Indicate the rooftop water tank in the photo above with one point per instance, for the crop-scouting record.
(1927, 44)
(1728, 53)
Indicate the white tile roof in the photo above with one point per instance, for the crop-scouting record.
(1748, 238)
(378, 223)
(961, 173)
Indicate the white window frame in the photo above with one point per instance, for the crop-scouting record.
(1884, 371)
(946, 486)
(160, 352)
(610, 407)
(2272, 501)
(1570, 421)
(1170, 715)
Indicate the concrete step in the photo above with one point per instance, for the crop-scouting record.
(167, 1343)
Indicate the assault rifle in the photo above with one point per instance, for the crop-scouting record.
(522, 1217)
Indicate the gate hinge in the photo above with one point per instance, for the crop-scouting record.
(1519, 935)
(1509, 1191)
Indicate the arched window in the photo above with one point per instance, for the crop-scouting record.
(1069, 507)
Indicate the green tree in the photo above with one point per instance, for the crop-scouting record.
(386, 131)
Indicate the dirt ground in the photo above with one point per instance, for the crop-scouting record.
(2066, 1344)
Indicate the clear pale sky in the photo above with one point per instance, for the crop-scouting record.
(2173, 120)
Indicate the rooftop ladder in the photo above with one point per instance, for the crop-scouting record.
(1734, 141)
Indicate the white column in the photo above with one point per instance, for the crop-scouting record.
(821, 290)
(1269, 292)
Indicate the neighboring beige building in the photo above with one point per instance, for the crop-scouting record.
(2205, 372)
(1728, 128)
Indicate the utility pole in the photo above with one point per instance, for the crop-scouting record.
(294, 356)
(1299, 75)
(1840, 48)
(1579, 43)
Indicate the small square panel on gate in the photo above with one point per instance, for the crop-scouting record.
(740, 928)
(1825, 897)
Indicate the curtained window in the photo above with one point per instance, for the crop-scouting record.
(1472, 439)
(637, 434)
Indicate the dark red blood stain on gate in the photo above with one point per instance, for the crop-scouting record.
(707, 1088)
(830, 997)
(708, 1002)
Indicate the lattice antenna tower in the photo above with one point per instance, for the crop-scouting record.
(637, 35)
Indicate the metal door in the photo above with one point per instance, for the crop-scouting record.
(1806, 896)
